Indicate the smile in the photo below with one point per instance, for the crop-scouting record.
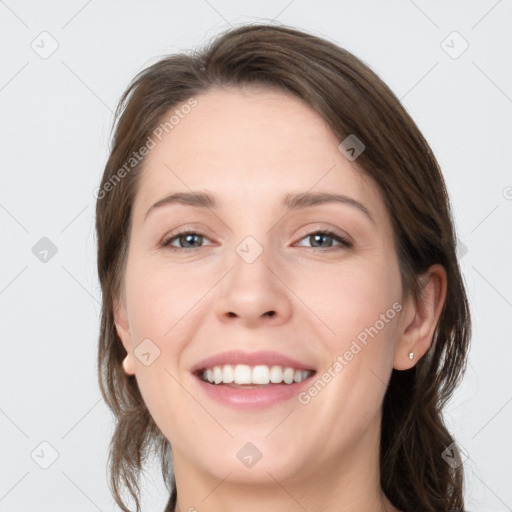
(259, 375)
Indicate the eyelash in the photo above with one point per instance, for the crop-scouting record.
(344, 243)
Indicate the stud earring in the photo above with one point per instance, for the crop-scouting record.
(411, 355)
(125, 365)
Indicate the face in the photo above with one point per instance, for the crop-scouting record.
(318, 284)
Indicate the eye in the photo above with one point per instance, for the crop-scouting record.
(185, 239)
(318, 238)
(192, 240)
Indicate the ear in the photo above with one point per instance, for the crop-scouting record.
(123, 331)
(420, 319)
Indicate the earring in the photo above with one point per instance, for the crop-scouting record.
(125, 365)
(411, 355)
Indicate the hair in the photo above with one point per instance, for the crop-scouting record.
(352, 99)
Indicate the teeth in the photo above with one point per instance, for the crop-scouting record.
(276, 374)
(228, 374)
(288, 375)
(242, 374)
(217, 374)
(261, 374)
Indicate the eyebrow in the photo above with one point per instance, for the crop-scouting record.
(290, 201)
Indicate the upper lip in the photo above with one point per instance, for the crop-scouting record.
(263, 357)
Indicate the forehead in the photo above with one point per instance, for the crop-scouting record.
(251, 145)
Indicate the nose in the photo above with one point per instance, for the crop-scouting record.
(253, 294)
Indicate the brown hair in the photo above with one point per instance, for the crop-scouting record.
(353, 100)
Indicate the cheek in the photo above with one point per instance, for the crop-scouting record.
(363, 312)
(359, 307)
(361, 304)
(161, 297)
(351, 298)
(164, 305)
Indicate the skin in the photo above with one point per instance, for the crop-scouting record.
(249, 147)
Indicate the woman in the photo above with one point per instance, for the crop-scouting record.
(283, 312)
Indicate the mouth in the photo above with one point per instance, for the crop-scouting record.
(244, 376)
(252, 380)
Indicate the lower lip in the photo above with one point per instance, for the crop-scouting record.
(252, 398)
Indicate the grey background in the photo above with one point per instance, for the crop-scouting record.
(55, 119)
